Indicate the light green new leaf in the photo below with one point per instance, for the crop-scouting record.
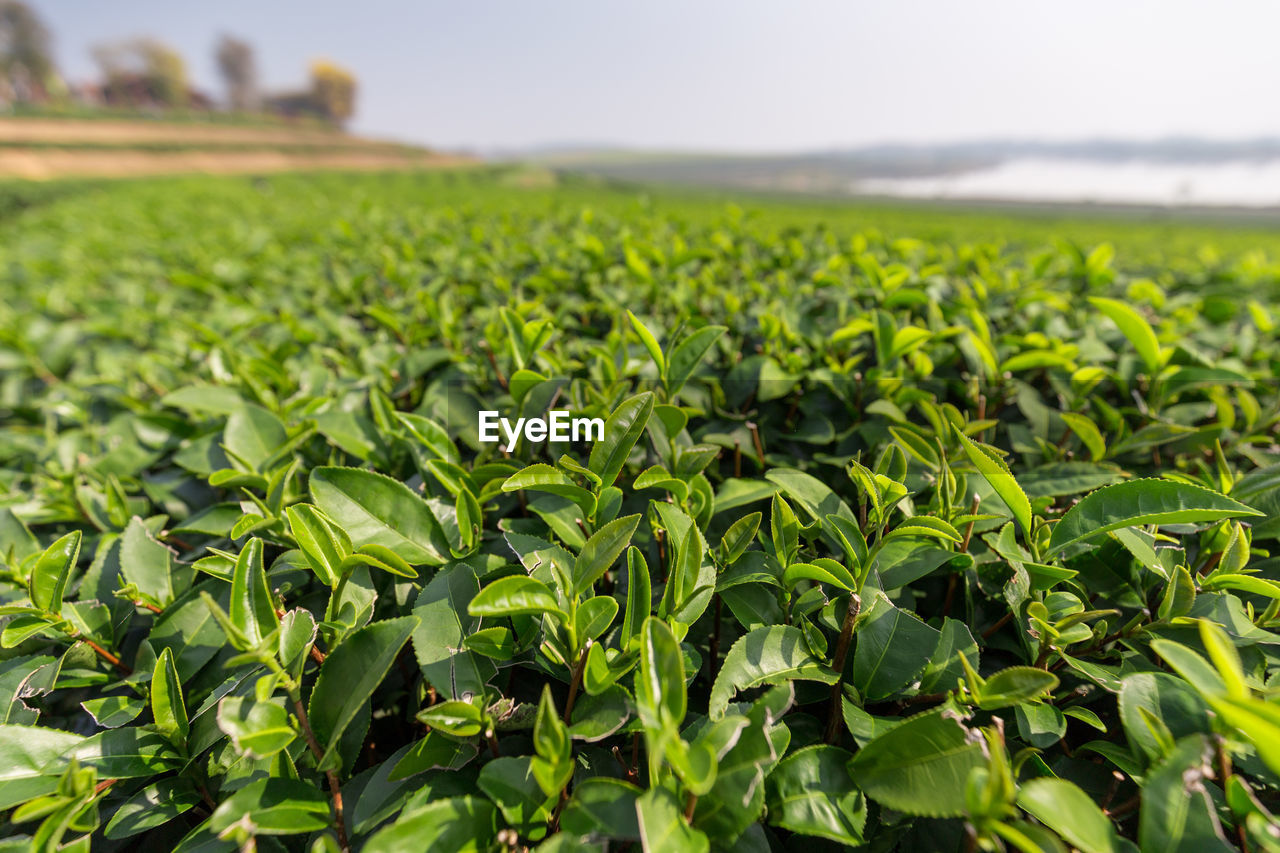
(256, 729)
(167, 706)
(1135, 328)
(1087, 432)
(621, 431)
(997, 473)
(253, 611)
(1070, 812)
(602, 551)
(49, 577)
(514, 595)
(662, 825)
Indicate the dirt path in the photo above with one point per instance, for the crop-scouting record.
(110, 131)
(46, 163)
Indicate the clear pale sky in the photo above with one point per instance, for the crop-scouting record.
(744, 75)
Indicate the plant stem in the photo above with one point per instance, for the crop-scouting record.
(713, 653)
(842, 651)
(107, 656)
(576, 681)
(335, 790)
(690, 803)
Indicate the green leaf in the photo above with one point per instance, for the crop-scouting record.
(602, 551)
(621, 431)
(1135, 328)
(828, 571)
(125, 753)
(687, 354)
(253, 611)
(452, 825)
(1069, 811)
(258, 729)
(921, 766)
(738, 538)
(155, 805)
(49, 577)
(515, 595)
(376, 510)
(997, 473)
(765, 656)
(1087, 431)
(455, 717)
(662, 825)
(812, 793)
(650, 343)
(277, 806)
(660, 686)
(1162, 697)
(1178, 812)
(1014, 685)
(510, 783)
(893, 649)
(639, 599)
(443, 624)
(112, 712)
(351, 673)
(24, 753)
(323, 543)
(253, 434)
(1138, 502)
(167, 706)
(1225, 658)
(146, 563)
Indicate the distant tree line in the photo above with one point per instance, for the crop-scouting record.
(146, 74)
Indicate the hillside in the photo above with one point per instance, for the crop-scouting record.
(45, 148)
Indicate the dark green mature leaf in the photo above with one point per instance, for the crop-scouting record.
(351, 673)
(155, 805)
(146, 563)
(24, 752)
(443, 625)
(765, 656)
(893, 649)
(811, 793)
(451, 825)
(1142, 502)
(921, 766)
(1178, 812)
(273, 807)
(376, 510)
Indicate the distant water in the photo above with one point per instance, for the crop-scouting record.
(1240, 183)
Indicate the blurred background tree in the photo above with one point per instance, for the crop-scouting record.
(142, 72)
(239, 69)
(27, 72)
(334, 90)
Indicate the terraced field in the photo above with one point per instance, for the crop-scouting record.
(906, 530)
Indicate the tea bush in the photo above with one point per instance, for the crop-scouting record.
(896, 535)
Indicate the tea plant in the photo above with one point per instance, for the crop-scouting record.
(912, 543)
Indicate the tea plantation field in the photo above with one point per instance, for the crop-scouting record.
(907, 529)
